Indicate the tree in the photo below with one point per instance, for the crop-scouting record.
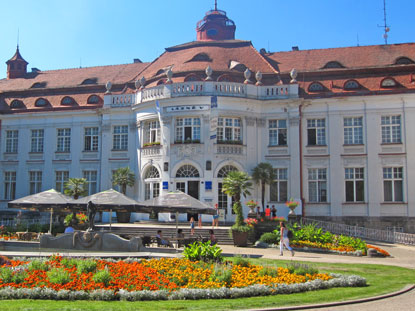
(263, 174)
(237, 184)
(76, 187)
(123, 177)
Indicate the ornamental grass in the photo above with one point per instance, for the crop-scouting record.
(151, 275)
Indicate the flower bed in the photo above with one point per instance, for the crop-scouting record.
(63, 278)
(326, 247)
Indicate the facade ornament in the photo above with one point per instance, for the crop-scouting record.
(137, 84)
(261, 122)
(139, 124)
(169, 74)
(293, 75)
(142, 81)
(258, 77)
(250, 121)
(108, 86)
(167, 120)
(247, 75)
(208, 72)
(294, 121)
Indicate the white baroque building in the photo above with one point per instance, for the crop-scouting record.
(334, 123)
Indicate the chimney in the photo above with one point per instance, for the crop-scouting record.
(137, 61)
(295, 48)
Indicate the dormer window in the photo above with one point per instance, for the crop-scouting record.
(201, 57)
(38, 85)
(388, 83)
(237, 66)
(333, 64)
(316, 87)
(351, 85)
(93, 100)
(17, 104)
(41, 102)
(404, 61)
(67, 101)
(225, 78)
(89, 81)
(192, 77)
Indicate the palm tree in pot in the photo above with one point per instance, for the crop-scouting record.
(263, 174)
(123, 177)
(237, 184)
(76, 187)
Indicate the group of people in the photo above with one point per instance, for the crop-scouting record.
(270, 213)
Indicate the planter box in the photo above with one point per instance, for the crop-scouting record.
(240, 238)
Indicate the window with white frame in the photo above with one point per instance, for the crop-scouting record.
(120, 137)
(37, 140)
(317, 185)
(9, 185)
(187, 130)
(229, 130)
(91, 178)
(12, 141)
(152, 132)
(64, 140)
(35, 181)
(61, 177)
(91, 139)
(316, 132)
(353, 130)
(393, 184)
(151, 183)
(391, 129)
(355, 184)
(278, 191)
(277, 132)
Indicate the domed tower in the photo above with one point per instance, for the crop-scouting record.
(215, 26)
(16, 66)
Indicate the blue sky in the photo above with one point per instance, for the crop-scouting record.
(57, 34)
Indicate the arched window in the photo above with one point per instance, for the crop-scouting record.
(152, 172)
(38, 85)
(201, 57)
(16, 104)
(315, 87)
(41, 102)
(67, 101)
(89, 81)
(93, 99)
(404, 61)
(192, 77)
(388, 82)
(187, 171)
(225, 78)
(351, 85)
(333, 64)
(223, 172)
(161, 81)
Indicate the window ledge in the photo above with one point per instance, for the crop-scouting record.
(315, 146)
(120, 150)
(63, 152)
(35, 152)
(90, 151)
(354, 203)
(388, 144)
(317, 203)
(393, 203)
(277, 146)
(9, 153)
(353, 145)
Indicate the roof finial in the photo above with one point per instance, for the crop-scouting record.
(216, 5)
(17, 38)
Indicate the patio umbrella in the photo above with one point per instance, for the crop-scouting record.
(48, 200)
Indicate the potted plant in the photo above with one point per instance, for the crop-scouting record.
(292, 204)
(251, 204)
(235, 184)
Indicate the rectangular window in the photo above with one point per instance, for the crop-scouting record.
(64, 140)
(187, 130)
(316, 132)
(35, 181)
(37, 141)
(120, 137)
(61, 177)
(317, 185)
(278, 189)
(91, 177)
(391, 129)
(277, 132)
(91, 139)
(355, 184)
(353, 131)
(229, 130)
(152, 132)
(393, 184)
(9, 185)
(12, 141)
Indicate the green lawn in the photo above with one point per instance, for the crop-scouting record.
(381, 280)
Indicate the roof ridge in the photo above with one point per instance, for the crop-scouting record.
(266, 61)
(102, 66)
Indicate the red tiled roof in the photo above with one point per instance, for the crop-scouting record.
(349, 57)
(69, 78)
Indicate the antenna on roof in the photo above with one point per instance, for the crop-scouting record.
(216, 5)
(17, 38)
(385, 25)
(358, 40)
(80, 62)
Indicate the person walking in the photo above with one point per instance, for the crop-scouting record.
(284, 240)
(192, 225)
(273, 212)
(215, 220)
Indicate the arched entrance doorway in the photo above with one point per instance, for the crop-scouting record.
(225, 202)
(187, 180)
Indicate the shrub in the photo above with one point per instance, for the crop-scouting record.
(68, 262)
(270, 271)
(270, 237)
(102, 276)
(203, 251)
(38, 265)
(86, 266)
(301, 269)
(222, 273)
(35, 228)
(59, 276)
(241, 261)
(7, 275)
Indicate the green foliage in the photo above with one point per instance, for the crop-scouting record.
(123, 177)
(243, 228)
(203, 251)
(102, 276)
(241, 261)
(7, 275)
(301, 269)
(35, 228)
(356, 243)
(222, 273)
(263, 174)
(269, 271)
(38, 265)
(271, 237)
(86, 266)
(59, 276)
(76, 187)
(69, 262)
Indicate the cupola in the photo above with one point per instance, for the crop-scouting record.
(16, 66)
(215, 26)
